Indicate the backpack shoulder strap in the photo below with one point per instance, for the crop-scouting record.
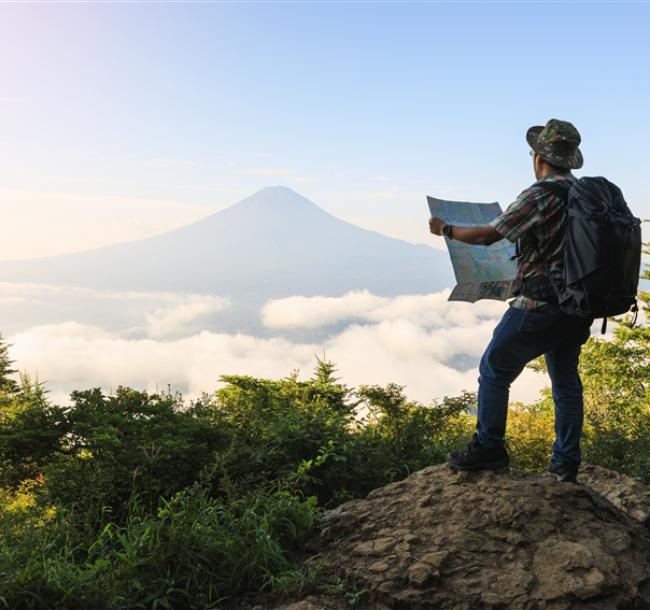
(557, 188)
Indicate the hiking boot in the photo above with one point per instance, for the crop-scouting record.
(565, 473)
(477, 457)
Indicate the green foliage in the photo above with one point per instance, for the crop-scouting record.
(277, 426)
(7, 384)
(105, 448)
(353, 594)
(193, 552)
(137, 500)
(29, 432)
(406, 435)
(273, 426)
(530, 434)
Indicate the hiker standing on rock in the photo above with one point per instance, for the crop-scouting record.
(533, 324)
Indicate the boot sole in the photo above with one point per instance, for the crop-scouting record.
(562, 478)
(495, 466)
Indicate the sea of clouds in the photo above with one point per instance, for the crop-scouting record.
(154, 341)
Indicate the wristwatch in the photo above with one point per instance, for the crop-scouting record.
(446, 231)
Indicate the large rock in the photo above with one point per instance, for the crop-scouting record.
(452, 540)
(629, 494)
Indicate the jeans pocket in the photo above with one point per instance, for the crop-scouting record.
(539, 322)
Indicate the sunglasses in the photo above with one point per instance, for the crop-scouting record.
(532, 153)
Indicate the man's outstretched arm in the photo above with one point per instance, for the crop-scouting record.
(484, 235)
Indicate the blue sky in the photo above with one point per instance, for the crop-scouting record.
(365, 108)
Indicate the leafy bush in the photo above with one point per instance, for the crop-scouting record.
(194, 552)
(273, 426)
(530, 434)
(103, 449)
(277, 425)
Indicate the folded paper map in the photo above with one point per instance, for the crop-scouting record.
(482, 272)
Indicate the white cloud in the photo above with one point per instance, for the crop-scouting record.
(312, 312)
(76, 356)
(27, 290)
(153, 314)
(410, 340)
(166, 320)
(426, 310)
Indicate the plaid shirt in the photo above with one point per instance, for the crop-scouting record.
(537, 219)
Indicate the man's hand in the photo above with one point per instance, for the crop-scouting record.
(479, 235)
(435, 225)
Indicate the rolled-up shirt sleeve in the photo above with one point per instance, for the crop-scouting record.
(520, 216)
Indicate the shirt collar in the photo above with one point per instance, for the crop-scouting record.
(557, 177)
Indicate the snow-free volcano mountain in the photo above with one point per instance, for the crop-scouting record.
(274, 243)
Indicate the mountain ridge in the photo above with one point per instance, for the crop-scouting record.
(273, 243)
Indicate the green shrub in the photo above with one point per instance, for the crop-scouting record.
(103, 449)
(195, 552)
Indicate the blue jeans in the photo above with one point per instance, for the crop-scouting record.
(522, 336)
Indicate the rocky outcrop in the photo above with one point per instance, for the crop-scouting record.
(629, 494)
(452, 540)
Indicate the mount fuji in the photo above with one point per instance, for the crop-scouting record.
(272, 244)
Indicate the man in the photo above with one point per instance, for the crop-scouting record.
(533, 324)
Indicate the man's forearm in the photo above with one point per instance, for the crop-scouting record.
(481, 235)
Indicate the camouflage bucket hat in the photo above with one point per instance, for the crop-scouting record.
(557, 142)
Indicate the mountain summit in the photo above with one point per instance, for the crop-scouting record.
(279, 198)
(444, 540)
(274, 243)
